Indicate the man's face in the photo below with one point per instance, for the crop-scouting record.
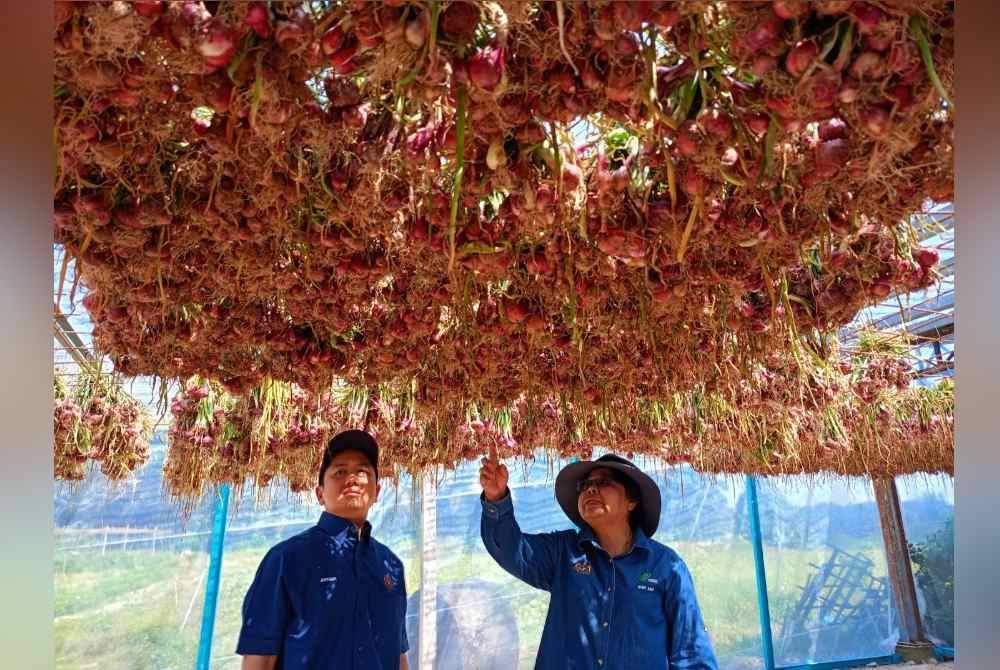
(602, 501)
(349, 487)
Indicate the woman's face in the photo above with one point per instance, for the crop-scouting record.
(603, 502)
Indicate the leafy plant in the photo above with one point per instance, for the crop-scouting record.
(934, 559)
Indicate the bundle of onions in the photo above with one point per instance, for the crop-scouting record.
(398, 197)
(96, 422)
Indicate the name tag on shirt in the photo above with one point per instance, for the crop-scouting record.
(647, 583)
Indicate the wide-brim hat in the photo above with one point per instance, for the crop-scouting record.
(649, 493)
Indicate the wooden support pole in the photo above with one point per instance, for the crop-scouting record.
(913, 644)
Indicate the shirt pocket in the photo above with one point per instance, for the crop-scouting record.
(648, 601)
(388, 590)
(330, 585)
(580, 594)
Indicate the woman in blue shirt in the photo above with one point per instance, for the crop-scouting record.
(619, 600)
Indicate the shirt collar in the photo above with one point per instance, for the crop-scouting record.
(639, 540)
(335, 525)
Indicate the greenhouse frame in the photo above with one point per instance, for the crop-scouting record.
(740, 515)
(713, 238)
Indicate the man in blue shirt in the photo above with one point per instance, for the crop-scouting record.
(331, 597)
(619, 600)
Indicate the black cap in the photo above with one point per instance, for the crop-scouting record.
(358, 440)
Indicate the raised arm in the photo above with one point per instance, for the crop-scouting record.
(530, 558)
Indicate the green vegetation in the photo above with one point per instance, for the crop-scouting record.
(125, 610)
(934, 563)
(142, 609)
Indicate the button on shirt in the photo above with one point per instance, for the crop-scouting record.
(328, 598)
(636, 611)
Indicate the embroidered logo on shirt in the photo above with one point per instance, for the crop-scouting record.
(647, 582)
(329, 585)
(388, 582)
(583, 567)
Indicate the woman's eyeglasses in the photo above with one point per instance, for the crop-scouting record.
(598, 482)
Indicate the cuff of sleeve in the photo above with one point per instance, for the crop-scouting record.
(257, 646)
(495, 510)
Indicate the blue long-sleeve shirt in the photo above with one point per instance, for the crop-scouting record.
(634, 612)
